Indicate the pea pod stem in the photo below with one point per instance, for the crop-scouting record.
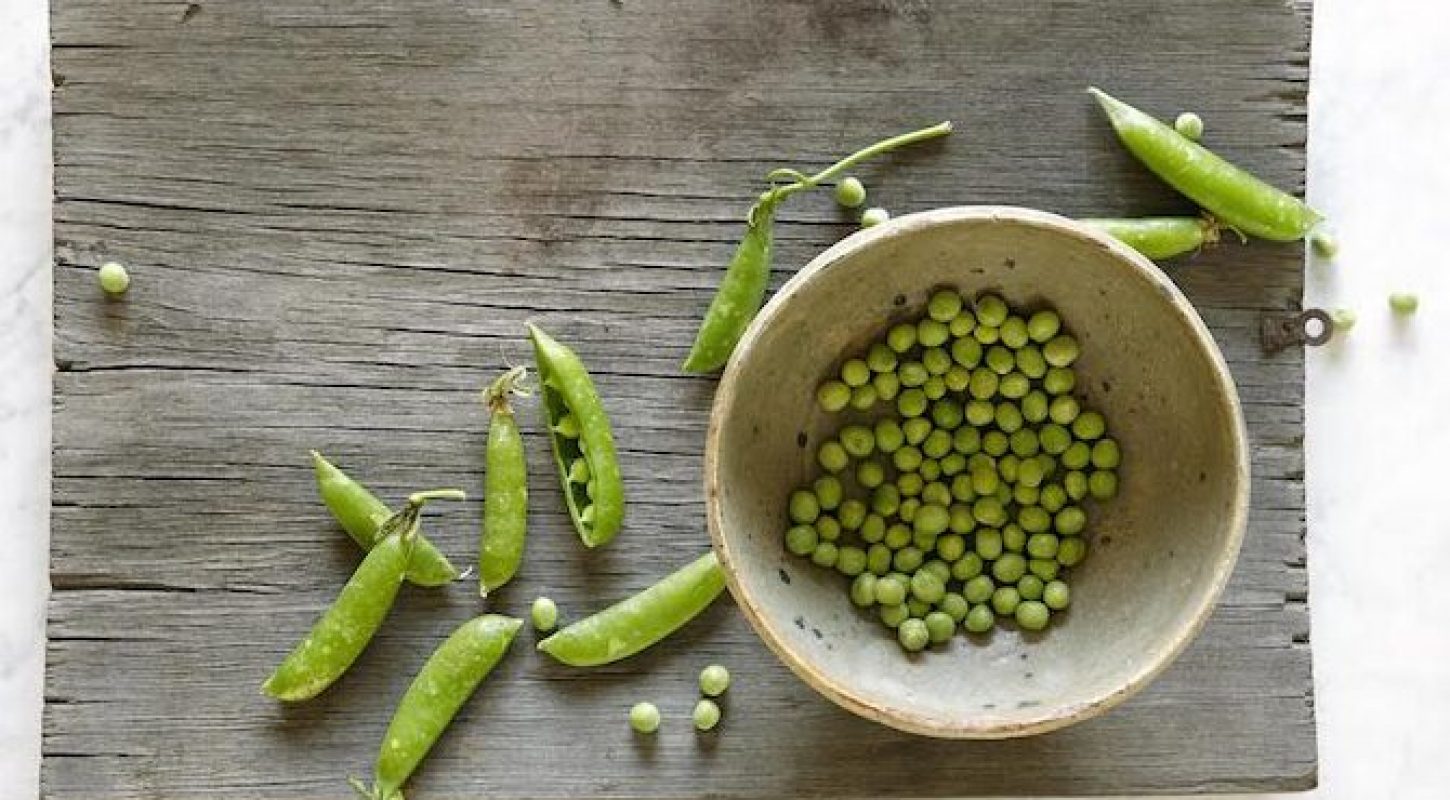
(1161, 237)
(1237, 198)
(637, 622)
(742, 289)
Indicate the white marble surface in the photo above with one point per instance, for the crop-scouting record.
(1379, 544)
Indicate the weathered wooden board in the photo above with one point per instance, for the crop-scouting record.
(340, 213)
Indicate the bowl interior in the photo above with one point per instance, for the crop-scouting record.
(1160, 552)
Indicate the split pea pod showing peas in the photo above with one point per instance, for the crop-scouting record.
(445, 683)
(582, 439)
(637, 622)
(1160, 237)
(1237, 198)
(361, 513)
(343, 632)
(505, 488)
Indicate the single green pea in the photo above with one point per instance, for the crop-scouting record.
(960, 519)
(930, 469)
(937, 444)
(962, 488)
(931, 520)
(855, 373)
(966, 439)
(1005, 600)
(1008, 417)
(872, 217)
(947, 415)
(1189, 125)
(1004, 493)
(962, 324)
(832, 395)
(1059, 380)
(801, 540)
(910, 485)
(850, 192)
(1089, 425)
(1070, 521)
(1076, 456)
(1325, 245)
(1030, 362)
(1042, 545)
(1071, 551)
(898, 535)
(828, 529)
(714, 680)
(1106, 454)
(1063, 409)
(936, 493)
(967, 352)
(1014, 385)
(1025, 446)
(931, 333)
(1103, 485)
(989, 544)
(941, 569)
(1014, 332)
(911, 402)
(1030, 587)
(1009, 568)
(991, 310)
(913, 634)
(985, 334)
(889, 435)
(901, 337)
(1076, 484)
(1060, 351)
(881, 358)
(1044, 568)
(1052, 498)
(863, 590)
(984, 481)
(1056, 595)
(978, 589)
(957, 378)
(1404, 303)
(999, 359)
(1043, 325)
(851, 561)
(916, 430)
(873, 528)
(913, 374)
(828, 492)
(983, 385)
(886, 385)
(832, 456)
(935, 388)
(907, 559)
(1007, 467)
(953, 464)
(893, 616)
(878, 559)
(852, 514)
(906, 459)
(568, 426)
(1014, 539)
(926, 586)
(1032, 615)
(918, 608)
(706, 715)
(644, 717)
(980, 619)
(870, 474)
(544, 614)
(1024, 495)
(951, 547)
(981, 460)
(803, 506)
(1034, 406)
(939, 626)
(954, 606)
(858, 440)
(113, 278)
(967, 567)
(1054, 438)
(825, 555)
(980, 413)
(1034, 519)
(863, 397)
(994, 443)
(943, 305)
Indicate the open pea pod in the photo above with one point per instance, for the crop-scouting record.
(582, 440)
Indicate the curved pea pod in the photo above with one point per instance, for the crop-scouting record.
(1237, 198)
(505, 489)
(451, 676)
(360, 512)
(1160, 237)
(741, 292)
(580, 433)
(637, 622)
(343, 632)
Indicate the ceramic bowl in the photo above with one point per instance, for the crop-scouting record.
(1160, 552)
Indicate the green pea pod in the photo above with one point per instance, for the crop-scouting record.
(1237, 198)
(445, 683)
(580, 432)
(637, 622)
(505, 489)
(1160, 237)
(360, 512)
(741, 292)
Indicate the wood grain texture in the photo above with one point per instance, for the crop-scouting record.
(338, 216)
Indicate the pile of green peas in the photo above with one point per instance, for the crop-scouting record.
(954, 494)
